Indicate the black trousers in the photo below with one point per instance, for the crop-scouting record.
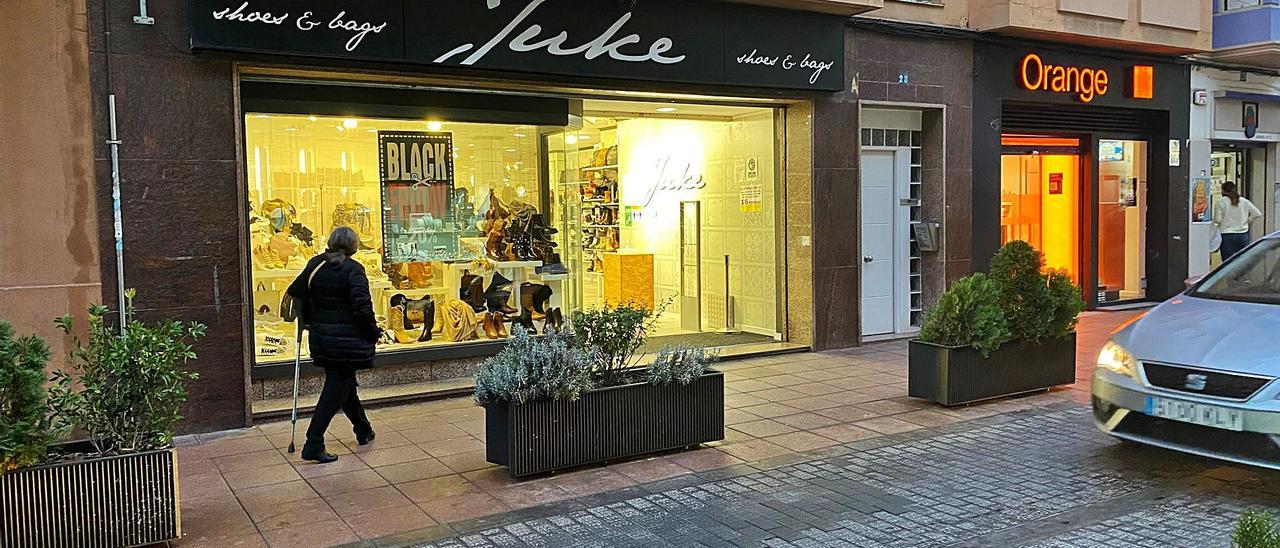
(339, 393)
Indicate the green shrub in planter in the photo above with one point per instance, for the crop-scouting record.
(615, 334)
(530, 368)
(1256, 529)
(681, 364)
(968, 314)
(1036, 305)
(127, 389)
(25, 426)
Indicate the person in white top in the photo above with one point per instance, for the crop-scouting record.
(1232, 216)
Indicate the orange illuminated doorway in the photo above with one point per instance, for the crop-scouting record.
(1040, 197)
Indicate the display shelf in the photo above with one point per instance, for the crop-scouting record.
(599, 203)
(511, 265)
(600, 168)
(275, 274)
(587, 227)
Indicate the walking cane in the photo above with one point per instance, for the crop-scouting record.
(297, 370)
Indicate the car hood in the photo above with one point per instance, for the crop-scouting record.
(1215, 334)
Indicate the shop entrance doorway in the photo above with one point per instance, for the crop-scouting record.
(1094, 232)
(1040, 196)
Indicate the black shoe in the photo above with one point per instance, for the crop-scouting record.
(318, 456)
(365, 438)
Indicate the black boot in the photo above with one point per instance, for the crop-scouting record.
(365, 436)
(428, 324)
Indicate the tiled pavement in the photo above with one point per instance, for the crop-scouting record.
(425, 476)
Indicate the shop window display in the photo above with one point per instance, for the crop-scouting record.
(468, 229)
(447, 227)
(672, 207)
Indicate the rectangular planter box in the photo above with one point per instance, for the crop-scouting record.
(605, 424)
(954, 376)
(126, 500)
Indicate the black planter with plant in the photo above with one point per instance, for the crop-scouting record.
(575, 398)
(119, 487)
(1006, 333)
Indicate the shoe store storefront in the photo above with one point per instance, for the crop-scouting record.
(508, 163)
(1085, 157)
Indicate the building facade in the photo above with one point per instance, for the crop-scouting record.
(782, 175)
(1235, 118)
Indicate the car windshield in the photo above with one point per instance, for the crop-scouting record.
(1252, 276)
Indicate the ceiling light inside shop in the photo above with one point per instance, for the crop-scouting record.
(350, 123)
(434, 125)
(512, 150)
(312, 118)
(584, 137)
(571, 139)
(667, 109)
(520, 136)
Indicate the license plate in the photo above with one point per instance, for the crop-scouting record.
(1196, 413)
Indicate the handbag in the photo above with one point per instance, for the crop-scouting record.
(1215, 240)
(265, 302)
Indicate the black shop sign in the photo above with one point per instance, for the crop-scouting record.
(694, 41)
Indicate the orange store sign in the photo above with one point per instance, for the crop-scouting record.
(1084, 82)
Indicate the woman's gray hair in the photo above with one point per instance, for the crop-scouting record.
(343, 243)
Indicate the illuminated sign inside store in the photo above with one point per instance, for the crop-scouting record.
(1086, 83)
(699, 41)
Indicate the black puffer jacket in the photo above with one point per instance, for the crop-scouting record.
(338, 312)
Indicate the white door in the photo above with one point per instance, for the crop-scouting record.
(884, 240)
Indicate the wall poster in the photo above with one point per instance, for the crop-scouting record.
(1201, 204)
(416, 170)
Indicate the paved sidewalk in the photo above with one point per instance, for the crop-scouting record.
(1040, 477)
(426, 473)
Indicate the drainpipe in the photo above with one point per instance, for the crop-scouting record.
(142, 18)
(115, 207)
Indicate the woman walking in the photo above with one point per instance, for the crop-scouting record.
(338, 312)
(1232, 215)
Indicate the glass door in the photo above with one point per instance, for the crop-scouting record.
(1040, 194)
(1122, 220)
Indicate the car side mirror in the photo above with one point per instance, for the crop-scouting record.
(1193, 281)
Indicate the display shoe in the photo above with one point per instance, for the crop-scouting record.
(555, 319)
(395, 322)
(486, 323)
(495, 246)
(472, 291)
(428, 321)
(498, 293)
(525, 320)
(499, 324)
(534, 297)
(496, 210)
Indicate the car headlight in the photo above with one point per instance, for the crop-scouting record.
(1115, 358)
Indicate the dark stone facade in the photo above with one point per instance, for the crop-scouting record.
(184, 207)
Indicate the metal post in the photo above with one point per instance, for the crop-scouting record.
(115, 206)
(730, 326)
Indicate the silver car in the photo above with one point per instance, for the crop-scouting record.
(1197, 373)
